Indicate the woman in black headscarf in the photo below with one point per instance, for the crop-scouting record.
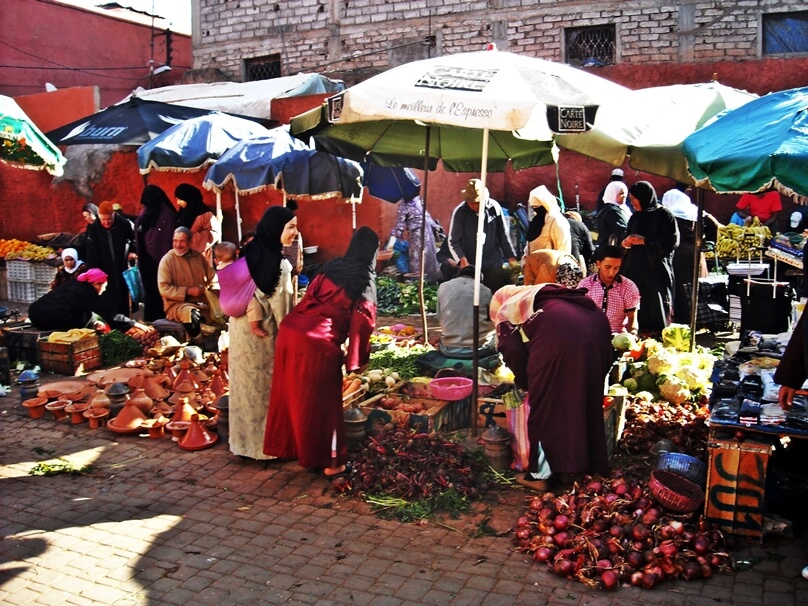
(196, 216)
(305, 420)
(154, 229)
(651, 237)
(267, 278)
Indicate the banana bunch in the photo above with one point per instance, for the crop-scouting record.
(740, 241)
(726, 248)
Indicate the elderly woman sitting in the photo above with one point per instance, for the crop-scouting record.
(77, 304)
(71, 268)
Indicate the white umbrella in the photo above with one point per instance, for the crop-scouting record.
(485, 91)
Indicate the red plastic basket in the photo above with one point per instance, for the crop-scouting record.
(451, 388)
(675, 492)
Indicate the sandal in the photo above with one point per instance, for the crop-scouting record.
(537, 485)
(333, 471)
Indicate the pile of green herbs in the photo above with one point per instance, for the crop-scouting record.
(117, 347)
(400, 359)
(411, 476)
(395, 298)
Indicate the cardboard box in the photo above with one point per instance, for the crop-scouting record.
(736, 482)
(490, 413)
(22, 343)
(70, 358)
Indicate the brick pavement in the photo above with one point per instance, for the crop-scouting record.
(153, 524)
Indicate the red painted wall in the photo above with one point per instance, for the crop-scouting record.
(39, 33)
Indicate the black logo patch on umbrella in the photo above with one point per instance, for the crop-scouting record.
(571, 119)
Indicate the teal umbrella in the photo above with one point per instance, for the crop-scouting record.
(759, 146)
(23, 144)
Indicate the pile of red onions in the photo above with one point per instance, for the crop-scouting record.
(611, 531)
(648, 422)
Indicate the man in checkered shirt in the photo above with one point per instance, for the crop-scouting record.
(616, 295)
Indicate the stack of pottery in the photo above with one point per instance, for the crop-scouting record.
(128, 420)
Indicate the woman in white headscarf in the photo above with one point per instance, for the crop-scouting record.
(548, 228)
(71, 267)
(613, 218)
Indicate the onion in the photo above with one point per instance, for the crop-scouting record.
(603, 564)
(561, 522)
(543, 554)
(523, 533)
(716, 561)
(610, 580)
(637, 579)
(601, 525)
(691, 571)
(564, 567)
(523, 521)
(610, 498)
(701, 545)
(536, 504)
(649, 580)
(640, 532)
(594, 486)
(560, 538)
(677, 526)
(616, 531)
(650, 556)
(667, 532)
(651, 517)
(706, 572)
(636, 559)
(668, 548)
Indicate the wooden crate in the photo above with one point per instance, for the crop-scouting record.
(736, 482)
(438, 415)
(70, 358)
(22, 343)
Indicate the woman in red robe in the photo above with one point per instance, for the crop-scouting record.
(557, 343)
(305, 419)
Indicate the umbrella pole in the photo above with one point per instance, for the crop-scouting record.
(219, 209)
(694, 288)
(423, 233)
(478, 257)
(238, 218)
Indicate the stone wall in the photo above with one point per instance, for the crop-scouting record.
(357, 38)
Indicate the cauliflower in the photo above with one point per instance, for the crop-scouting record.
(676, 336)
(691, 377)
(661, 362)
(673, 390)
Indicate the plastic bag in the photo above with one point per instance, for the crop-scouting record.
(517, 410)
(134, 283)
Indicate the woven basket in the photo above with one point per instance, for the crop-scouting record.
(683, 465)
(675, 492)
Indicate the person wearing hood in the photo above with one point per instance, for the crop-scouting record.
(154, 231)
(306, 420)
(71, 268)
(617, 175)
(651, 238)
(497, 247)
(111, 247)
(613, 218)
(196, 216)
(183, 276)
(77, 303)
(549, 229)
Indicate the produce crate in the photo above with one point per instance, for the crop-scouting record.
(21, 292)
(70, 358)
(736, 481)
(4, 283)
(22, 343)
(20, 271)
(41, 290)
(44, 273)
(491, 412)
(438, 415)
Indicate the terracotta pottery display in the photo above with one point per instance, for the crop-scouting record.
(76, 411)
(141, 400)
(197, 437)
(96, 417)
(178, 429)
(216, 384)
(58, 409)
(183, 411)
(184, 376)
(155, 426)
(100, 400)
(36, 407)
(154, 388)
(130, 417)
(161, 407)
(117, 392)
(56, 389)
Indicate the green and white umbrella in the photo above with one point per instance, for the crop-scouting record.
(22, 144)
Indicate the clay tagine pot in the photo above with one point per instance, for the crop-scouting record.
(57, 408)
(117, 392)
(76, 411)
(153, 388)
(178, 429)
(197, 437)
(36, 407)
(155, 426)
(100, 400)
(141, 400)
(96, 417)
(183, 411)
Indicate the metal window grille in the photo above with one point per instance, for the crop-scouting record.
(595, 44)
(785, 33)
(263, 68)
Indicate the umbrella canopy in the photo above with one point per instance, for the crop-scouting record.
(23, 144)
(195, 143)
(649, 125)
(133, 122)
(761, 145)
(392, 184)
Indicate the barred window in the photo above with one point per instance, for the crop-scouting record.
(262, 68)
(785, 33)
(594, 45)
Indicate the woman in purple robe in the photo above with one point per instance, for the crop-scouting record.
(409, 219)
(557, 343)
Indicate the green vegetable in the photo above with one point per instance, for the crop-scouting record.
(52, 469)
(676, 336)
(117, 347)
(624, 341)
(399, 298)
(400, 360)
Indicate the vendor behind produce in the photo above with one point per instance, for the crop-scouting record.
(77, 304)
(455, 301)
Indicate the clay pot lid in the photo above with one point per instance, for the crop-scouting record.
(58, 404)
(34, 402)
(96, 413)
(160, 407)
(185, 387)
(155, 422)
(192, 397)
(79, 407)
(117, 389)
(114, 428)
(136, 363)
(105, 378)
(56, 389)
(130, 417)
(178, 425)
(197, 437)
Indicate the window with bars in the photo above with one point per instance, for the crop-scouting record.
(785, 33)
(593, 45)
(262, 68)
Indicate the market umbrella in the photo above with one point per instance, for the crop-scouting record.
(23, 144)
(193, 144)
(390, 183)
(761, 145)
(649, 125)
(279, 161)
(133, 122)
(455, 103)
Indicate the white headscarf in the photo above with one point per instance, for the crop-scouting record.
(73, 254)
(610, 197)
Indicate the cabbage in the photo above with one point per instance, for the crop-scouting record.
(623, 341)
(631, 384)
